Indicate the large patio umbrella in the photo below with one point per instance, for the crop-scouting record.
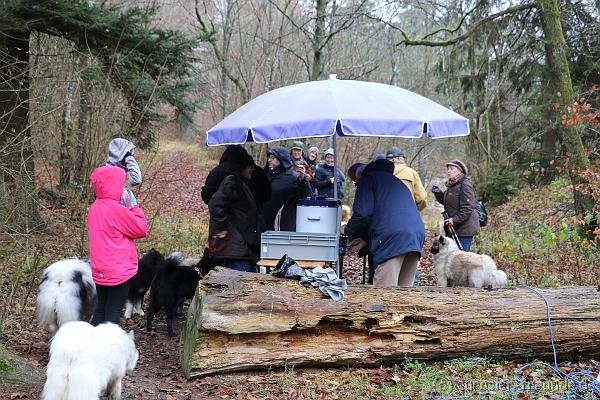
(336, 107)
(345, 107)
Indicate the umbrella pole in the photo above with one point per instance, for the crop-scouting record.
(335, 197)
(335, 191)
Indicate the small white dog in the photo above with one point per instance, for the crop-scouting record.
(86, 361)
(67, 293)
(454, 267)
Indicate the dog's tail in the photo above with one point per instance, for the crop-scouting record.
(57, 303)
(67, 293)
(66, 378)
(67, 383)
(499, 279)
(55, 387)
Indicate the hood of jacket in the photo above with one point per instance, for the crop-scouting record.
(283, 156)
(234, 151)
(379, 165)
(108, 182)
(117, 148)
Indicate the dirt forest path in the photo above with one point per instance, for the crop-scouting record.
(172, 187)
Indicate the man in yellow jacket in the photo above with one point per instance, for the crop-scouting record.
(411, 179)
(409, 176)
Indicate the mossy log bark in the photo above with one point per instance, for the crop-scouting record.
(15, 372)
(242, 321)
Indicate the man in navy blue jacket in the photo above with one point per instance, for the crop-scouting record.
(385, 213)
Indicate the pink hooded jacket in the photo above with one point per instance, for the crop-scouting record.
(112, 229)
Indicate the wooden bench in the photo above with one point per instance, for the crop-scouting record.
(271, 263)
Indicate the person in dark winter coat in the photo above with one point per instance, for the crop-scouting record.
(324, 180)
(312, 157)
(235, 221)
(299, 164)
(261, 187)
(385, 213)
(459, 202)
(287, 186)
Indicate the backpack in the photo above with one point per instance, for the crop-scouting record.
(483, 216)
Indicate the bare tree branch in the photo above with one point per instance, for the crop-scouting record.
(407, 41)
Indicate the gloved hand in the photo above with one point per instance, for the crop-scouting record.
(435, 189)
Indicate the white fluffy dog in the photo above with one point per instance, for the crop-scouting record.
(86, 361)
(454, 267)
(67, 293)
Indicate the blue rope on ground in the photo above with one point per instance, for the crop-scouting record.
(589, 386)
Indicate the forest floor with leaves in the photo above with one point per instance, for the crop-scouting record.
(171, 199)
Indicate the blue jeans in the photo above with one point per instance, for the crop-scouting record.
(466, 241)
(416, 281)
(240, 265)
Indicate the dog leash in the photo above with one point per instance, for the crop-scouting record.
(452, 231)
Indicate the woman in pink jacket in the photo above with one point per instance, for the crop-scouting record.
(112, 229)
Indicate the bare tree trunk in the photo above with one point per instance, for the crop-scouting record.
(318, 42)
(67, 138)
(562, 87)
(18, 200)
(81, 156)
(244, 321)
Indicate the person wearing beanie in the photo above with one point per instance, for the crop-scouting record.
(459, 202)
(287, 186)
(411, 179)
(385, 218)
(312, 157)
(299, 164)
(324, 178)
(409, 176)
(235, 221)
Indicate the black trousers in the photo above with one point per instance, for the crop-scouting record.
(110, 302)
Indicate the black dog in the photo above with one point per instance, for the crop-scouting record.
(175, 282)
(141, 282)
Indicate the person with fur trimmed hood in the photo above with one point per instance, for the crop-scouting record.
(287, 186)
(385, 214)
(235, 219)
(261, 187)
(459, 202)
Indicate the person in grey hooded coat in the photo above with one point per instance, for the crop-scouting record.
(120, 154)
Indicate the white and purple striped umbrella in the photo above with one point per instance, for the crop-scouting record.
(346, 107)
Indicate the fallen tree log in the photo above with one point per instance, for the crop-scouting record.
(242, 321)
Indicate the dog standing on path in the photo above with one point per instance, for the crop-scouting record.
(141, 282)
(87, 361)
(67, 293)
(454, 267)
